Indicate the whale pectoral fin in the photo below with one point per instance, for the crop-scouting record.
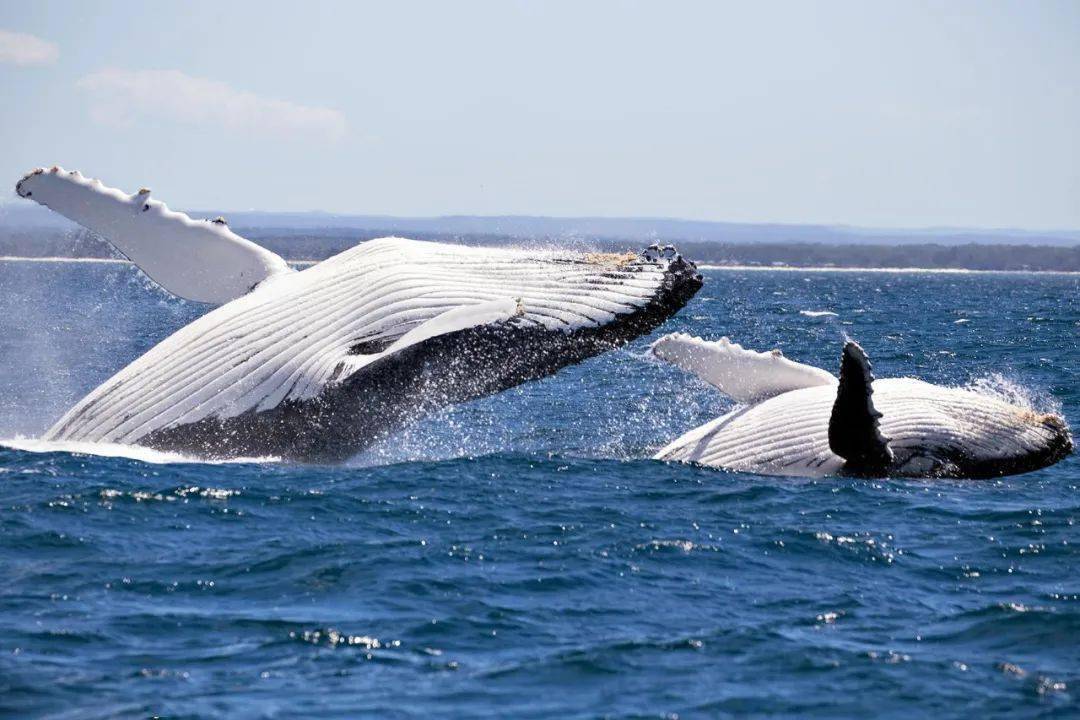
(199, 260)
(463, 317)
(854, 432)
(459, 318)
(744, 375)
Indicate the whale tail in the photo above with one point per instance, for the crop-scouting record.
(854, 425)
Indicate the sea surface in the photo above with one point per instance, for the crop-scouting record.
(521, 556)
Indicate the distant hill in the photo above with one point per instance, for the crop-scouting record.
(19, 215)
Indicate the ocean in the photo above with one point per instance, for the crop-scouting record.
(520, 556)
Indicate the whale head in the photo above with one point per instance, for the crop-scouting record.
(966, 434)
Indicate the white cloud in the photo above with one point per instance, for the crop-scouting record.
(120, 97)
(22, 49)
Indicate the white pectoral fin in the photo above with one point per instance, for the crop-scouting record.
(198, 260)
(460, 318)
(744, 375)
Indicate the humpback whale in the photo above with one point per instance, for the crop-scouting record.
(795, 419)
(317, 364)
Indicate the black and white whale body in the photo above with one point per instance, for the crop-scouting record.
(800, 420)
(316, 365)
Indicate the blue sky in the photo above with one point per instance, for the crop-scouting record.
(905, 114)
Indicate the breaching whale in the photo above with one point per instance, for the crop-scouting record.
(800, 420)
(315, 365)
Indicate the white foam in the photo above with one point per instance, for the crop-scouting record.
(817, 313)
(54, 259)
(105, 261)
(131, 452)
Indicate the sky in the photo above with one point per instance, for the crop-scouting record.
(881, 114)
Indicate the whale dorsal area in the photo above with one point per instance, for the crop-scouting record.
(743, 375)
(854, 424)
(199, 260)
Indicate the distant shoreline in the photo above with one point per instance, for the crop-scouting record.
(300, 247)
(701, 266)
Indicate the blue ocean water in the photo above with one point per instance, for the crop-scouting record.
(518, 557)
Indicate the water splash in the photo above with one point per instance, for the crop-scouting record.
(1010, 390)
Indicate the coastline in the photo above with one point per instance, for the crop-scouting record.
(702, 266)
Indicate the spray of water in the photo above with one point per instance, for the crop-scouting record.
(1011, 390)
(68, 327)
